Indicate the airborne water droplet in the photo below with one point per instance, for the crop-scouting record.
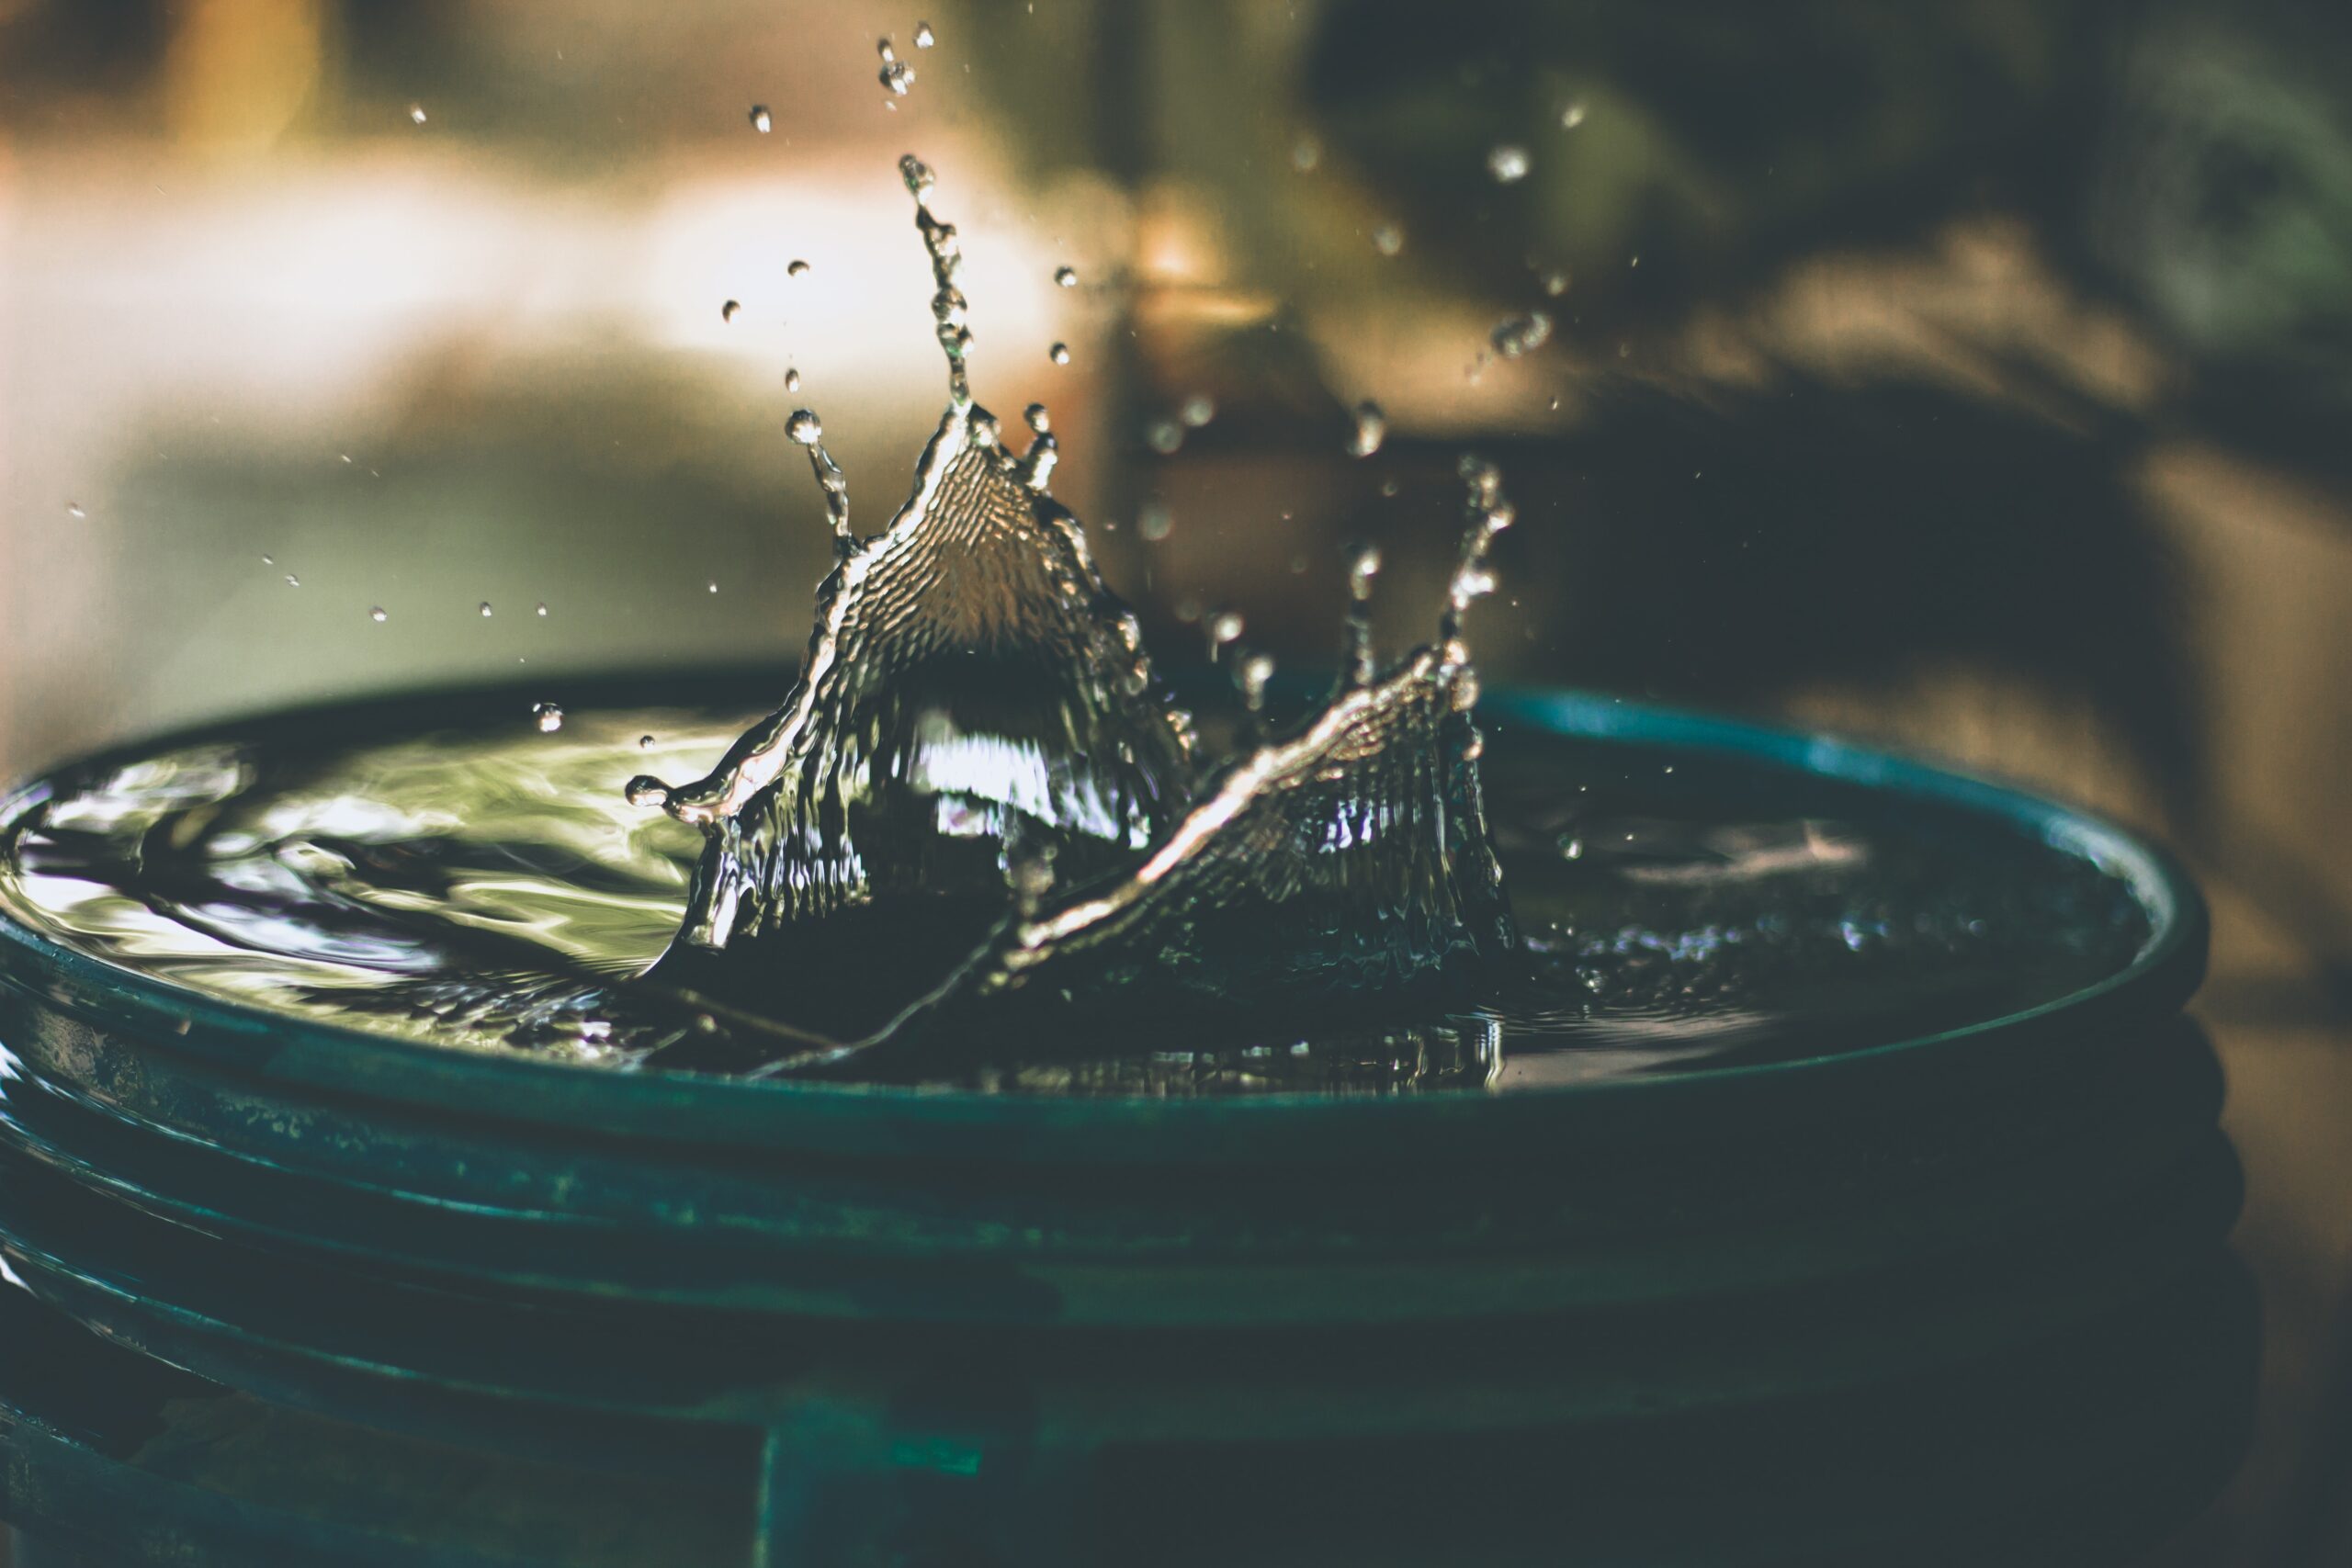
(1164, 436)
(549, 716)
(760, 121)
(292, 581)
(791, 380)
(1572, 117)
(416, 114)
(1058, 354)
(645, 789)
(1066, 277)
(645, 743)
(1224, 628)
(1153, 520)
(1555, 284)
(1388, 239)
(727, 312)
(1037, 418)
(1372, 429)
(1522, 334)
(1256, 672)
(805, 427)
(923, 39)
(1198, 410)
(1507, 162)
(1305, 154)
(897, 74)
(541, 611)
(797, 268)
(74, 509)
(712, 586)
(377, 615)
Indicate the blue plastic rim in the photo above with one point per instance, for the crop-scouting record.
(886, 1119)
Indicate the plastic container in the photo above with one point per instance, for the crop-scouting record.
(293, 1293)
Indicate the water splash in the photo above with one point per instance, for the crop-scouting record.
(970, 678)
(1347, 859)
(978, 776)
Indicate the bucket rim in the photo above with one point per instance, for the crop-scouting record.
(895, 1120)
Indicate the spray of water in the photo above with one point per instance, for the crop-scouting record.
(979, 772)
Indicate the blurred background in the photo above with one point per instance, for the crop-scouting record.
(1976, 378)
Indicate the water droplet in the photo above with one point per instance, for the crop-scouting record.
(1555, 284)
(485, 609)
(541, 611)
(1522, 334)
(1305, 154)
(1637, 261)
(1256, 672)
(1058, 354)
(1508, 164)
(727, 312)
(791, 380)
(712, 585)
(1198, 410)
(1572, 848)
(645, 743)
(549, 716)
(797, 269)
(269, 561)
(416, 114)
(760, 121)
(923, 39)
(74, 509)
(377, 616)
(897, 74)
(645, 789)
(1065, 276)
(1388, 239)
(1164, 436)
(805, 427)
(1225, 627)
(1039, 420)
(1571, 117)
(917, 175)
(292, 581)
(1389, 488)
(1372, 429)
(1153, 520)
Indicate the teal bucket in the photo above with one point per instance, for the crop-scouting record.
(285, 1293)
